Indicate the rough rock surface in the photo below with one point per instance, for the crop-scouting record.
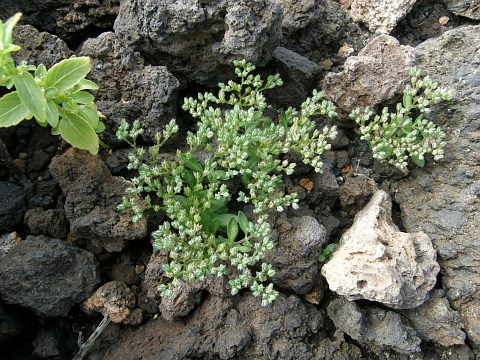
(445, 203)
(47, 275)
(11, 322)
(435, 321)
(228, 328)
(198, 39)
(297, 14)
(375, 261)
(72, 20)
(467, 8)
(92, 195)
(129, 89)
(355, 193)
(8, 242)
(52, 222)
(383, 62)
(114, 299)
(39, 47)
(295, 254)
(12, 205)
(379, 15)
(369, 324)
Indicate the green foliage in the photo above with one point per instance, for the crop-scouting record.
(240, 144)
(55, 97)
(397, 136)
(326, 252)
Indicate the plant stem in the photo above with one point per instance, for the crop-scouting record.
(87, 345)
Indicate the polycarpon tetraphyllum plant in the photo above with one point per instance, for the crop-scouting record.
(202, 235)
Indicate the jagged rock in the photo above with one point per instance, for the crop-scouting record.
(227, 328)
(46, 345)
(371, 325)
(199, 39)
(114, 299)
(299, 75)
(379, 15)
(129, 89)
(72, 20)
(376, 75)
(12, 206)
(52, 222)
(436, 321)
(46, 275)
(92, 195)
(375, 261)
(39, 47)
(295, 254)
(326, 190)
(467, 8)
(355, 193)
(297, 14)
(8, 242)
(442, 200)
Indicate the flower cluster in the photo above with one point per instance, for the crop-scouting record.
(243, 146)
(406, 133)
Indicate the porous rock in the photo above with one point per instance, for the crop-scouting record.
(227, 328)
(467, 8)
(297, 14)
(379, 15)
(447, 209)
(295, 254)
(376, 75)
(198, 39)
(12, 206)
(436, 321)
(47, 276)
(91, 198)
(129, 89)
(39, 47)
(52, 222)
(355, 193)
(113, 299)
(377, 262)
(374, 326)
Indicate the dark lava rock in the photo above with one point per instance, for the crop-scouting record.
(12, 205)
(92, 195)
(47, 275)
(51, 222)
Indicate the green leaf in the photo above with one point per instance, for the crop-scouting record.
(206, 222)
(41, 71)
(283, 120)
(78, 132)
(31, 95)
(191, 163)
(82, 97)
(12, 110)
(85, 84)
(417, 161)
(243, 222)
(90, 115)
(215, 226)
(100, 127)
(407, 101)
(232, 229)
(7, 28)
(189, 178)
(52, 113)
(67, 73)
(224, 219)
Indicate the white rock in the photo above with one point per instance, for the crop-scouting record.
(377, 262)
(380, 15)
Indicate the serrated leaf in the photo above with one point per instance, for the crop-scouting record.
(243, 222)
(31, 95)
(12, 110)
(232, 229)
(417, 161)
(52, 113)
(78, 132)
(67, 73)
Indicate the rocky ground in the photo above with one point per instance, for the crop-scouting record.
(404, 279)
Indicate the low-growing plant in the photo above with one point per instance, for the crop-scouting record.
(202, 235)
(57, 97)
(405, 134)
(325, 253)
